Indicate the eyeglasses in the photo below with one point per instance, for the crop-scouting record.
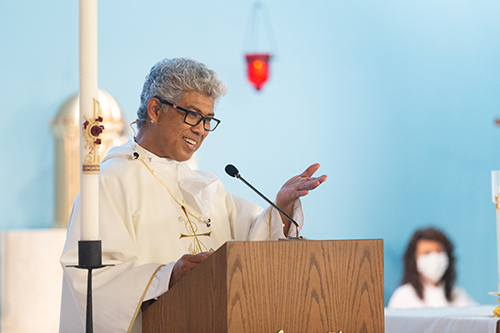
(193, 118)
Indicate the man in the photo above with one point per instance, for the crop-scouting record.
(158, 218)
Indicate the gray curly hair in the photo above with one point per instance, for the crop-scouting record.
(172, 78)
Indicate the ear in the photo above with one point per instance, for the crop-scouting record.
(154, 109)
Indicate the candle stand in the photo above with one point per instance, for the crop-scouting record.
(496, 200)
(496, 312)
(495, 193)
(89, 258)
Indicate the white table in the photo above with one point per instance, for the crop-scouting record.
(477, 319)
(31, 280)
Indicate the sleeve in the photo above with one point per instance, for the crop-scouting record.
(461, 298)
(250, 222)
(159, 284)
(396, 300)
(404, 297)
(118, 290)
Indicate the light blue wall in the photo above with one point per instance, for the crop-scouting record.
(396, 100)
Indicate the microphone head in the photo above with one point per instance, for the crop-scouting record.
(232, 171)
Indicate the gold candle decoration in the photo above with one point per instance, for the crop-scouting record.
(495, 191)
(92, 130)
(65, 128)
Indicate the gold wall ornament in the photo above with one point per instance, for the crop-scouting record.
(496, 312)
(92, 129)
(65, 128)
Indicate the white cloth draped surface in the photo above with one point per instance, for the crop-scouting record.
(477, 319)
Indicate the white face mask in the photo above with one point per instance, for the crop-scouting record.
(433, 265)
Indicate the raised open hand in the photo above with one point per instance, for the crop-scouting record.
(297, 187)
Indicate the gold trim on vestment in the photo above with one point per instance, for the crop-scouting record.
(197, 246)
(142, 299)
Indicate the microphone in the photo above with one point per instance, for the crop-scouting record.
(233, 172)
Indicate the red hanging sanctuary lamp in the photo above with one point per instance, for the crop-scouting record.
(258, 68)
(258, 62)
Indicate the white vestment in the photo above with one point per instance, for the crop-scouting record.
(144, 231)
(405, 297)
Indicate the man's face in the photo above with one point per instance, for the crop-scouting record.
(175, 139)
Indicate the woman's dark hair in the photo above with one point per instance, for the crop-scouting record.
(411, 274)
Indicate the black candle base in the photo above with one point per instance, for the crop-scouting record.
(89, 257)
(89, 254)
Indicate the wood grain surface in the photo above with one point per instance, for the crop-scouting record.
(294, 286)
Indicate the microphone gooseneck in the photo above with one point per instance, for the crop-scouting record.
(232, 171)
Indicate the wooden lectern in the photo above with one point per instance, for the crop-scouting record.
(297, 286)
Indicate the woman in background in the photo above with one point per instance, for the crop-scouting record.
(429, 274)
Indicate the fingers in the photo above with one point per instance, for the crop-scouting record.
(310, 170)
(190, 261)
(312, 183)
(197, 258)
(300, 185)
(306, 183)
(185, 265)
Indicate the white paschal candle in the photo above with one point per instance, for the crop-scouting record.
(89, 183)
